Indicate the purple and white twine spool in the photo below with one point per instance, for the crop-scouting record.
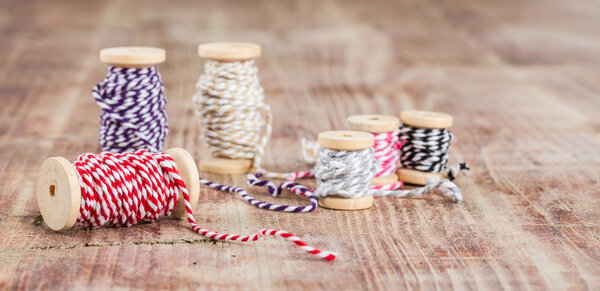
(133, 110)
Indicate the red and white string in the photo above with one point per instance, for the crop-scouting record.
(123, 189)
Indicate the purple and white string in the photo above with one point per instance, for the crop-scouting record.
(133, 110)
(274, 190)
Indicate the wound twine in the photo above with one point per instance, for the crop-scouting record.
(236, 123)
(133, 110)
(345, 173)
(386, 153)
(253, 180)
(386, 149)
(230, 105)
(129, 188)
(426, 150)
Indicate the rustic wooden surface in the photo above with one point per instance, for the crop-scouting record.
(520, 78)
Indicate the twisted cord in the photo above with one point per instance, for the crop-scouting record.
(386, 148)
(453, 171)
(230, 105)
(129, 188)
(274, 190)
(386, 153)
(344, 173)
(133, 110)
(448, 188)
(235, 120)
(426, 150)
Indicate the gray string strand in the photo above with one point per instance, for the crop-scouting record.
(448, 188)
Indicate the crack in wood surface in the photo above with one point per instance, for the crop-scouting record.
(118, 244)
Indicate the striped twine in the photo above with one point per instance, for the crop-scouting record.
(133, 110)
(129, 188)
(426, 150)
(274, 190)
(386, 153)
(236, 123)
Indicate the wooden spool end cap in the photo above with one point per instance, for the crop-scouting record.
(225, 166)
(384, 180)
(426, 119)
(346, 140)
(58, 193)
(132, 56)
(189, 173)
(415, 177)
(342, 203)
(375, 123)
(229, 51)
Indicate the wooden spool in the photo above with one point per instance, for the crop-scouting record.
(423, 119)
(346, 141)
(376, 123)
(227, 52)
(59, 193)
(132, 56)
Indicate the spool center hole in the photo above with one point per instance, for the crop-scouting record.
(346, 135)
(374, 118)
(51, 190)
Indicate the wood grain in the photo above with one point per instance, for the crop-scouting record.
(519, 77)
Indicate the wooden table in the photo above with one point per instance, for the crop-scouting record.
(520, 78)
